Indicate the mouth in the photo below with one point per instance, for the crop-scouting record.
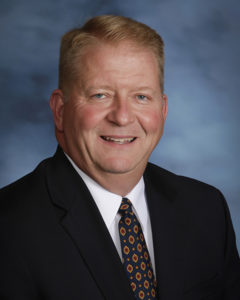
(118, 140)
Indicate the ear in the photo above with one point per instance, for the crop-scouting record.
(57, 106)
(165, 106)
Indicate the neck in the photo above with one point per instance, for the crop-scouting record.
(120, 184)
(117, 183)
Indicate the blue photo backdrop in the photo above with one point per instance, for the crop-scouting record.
(202, 45)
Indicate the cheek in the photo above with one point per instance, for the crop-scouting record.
(88, 117)
(152, 121)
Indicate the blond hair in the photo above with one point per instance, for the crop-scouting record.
(109, 29)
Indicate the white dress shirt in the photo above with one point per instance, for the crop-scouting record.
(108, 204)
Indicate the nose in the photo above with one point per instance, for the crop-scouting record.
(121, 112)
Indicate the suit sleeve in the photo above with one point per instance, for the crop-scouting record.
(16, 282)
(232, 262)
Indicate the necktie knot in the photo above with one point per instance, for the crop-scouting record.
(125, 207)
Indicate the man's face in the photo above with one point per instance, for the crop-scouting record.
(114, 114)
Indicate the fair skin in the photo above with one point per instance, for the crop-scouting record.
(113, 116)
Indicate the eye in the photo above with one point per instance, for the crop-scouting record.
(142, 97)
(99, 96)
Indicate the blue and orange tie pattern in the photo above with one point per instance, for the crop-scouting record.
(136, 259)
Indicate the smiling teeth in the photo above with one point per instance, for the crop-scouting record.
(118, 140)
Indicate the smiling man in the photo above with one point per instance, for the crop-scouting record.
(97, 221)
(113, 115)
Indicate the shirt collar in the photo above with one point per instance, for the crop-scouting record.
(108, 203)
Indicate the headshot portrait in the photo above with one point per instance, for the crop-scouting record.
(119, 161)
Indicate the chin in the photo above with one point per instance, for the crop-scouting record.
(120, 166)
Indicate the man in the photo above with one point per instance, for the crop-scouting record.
(97, 221)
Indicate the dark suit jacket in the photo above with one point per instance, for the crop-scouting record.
(54, 244)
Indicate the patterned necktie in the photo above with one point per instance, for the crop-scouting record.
(136, 259)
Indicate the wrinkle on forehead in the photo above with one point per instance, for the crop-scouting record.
(119, 64)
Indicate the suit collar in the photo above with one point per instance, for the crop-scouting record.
(161, 182)
(167, 222)
(81, 219)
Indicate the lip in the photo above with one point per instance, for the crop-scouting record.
(118, 140)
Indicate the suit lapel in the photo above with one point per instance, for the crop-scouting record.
(83, 222)
(167, 224)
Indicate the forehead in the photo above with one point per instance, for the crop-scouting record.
(124, 58)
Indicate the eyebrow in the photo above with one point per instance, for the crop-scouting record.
(102, 87)
(108, 87)
(144, 88)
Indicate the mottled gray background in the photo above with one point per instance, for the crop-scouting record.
(202, 40)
